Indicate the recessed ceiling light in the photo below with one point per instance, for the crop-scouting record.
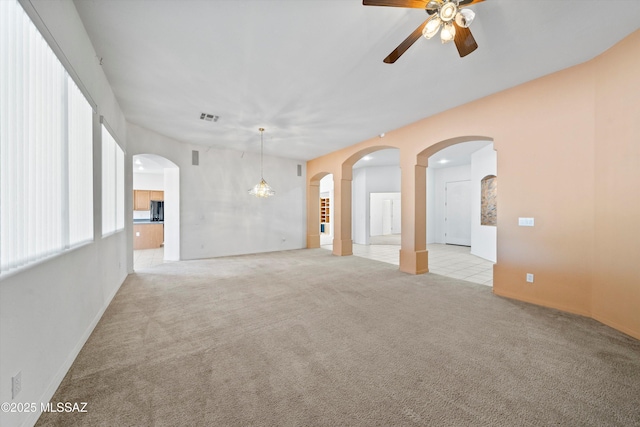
(443, 161)
(367, 158)
(138, 162)
(140, 168)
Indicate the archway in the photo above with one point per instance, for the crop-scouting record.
(313, 210)
(376, 206)
(469, 169)
(460, 244)
(342, 241)
(159, 177)
(343, 190)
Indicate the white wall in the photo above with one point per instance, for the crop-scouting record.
(218, 217)
(375, 179)
(431, 205)
(171, 187)
(359, 204)
(483, 237)
(48, 310)
(148, 181)
(377, 211)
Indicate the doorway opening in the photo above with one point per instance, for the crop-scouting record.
(459, 244)
(385, 218)
(376, 207)
(156, 211)
(326, 212)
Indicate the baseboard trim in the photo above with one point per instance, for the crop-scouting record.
(617, 326)
(542, 303)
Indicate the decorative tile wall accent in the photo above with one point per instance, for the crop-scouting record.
(488, 208)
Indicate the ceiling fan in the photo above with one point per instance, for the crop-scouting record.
(448, 15)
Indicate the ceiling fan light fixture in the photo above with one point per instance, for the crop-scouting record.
(448, 11)
(465, 17)
(448, 33)
(433, 6)
(432, 27)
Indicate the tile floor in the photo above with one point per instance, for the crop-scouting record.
(145, 258)
(446, 260)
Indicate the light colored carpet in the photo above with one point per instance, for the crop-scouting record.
(304, 338)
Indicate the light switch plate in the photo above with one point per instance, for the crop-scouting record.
(525, 222)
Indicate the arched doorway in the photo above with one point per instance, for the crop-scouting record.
(314, 228)
(460, 244)
(156, 214)
(376, 206)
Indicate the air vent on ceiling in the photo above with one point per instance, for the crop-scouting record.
(209, 117)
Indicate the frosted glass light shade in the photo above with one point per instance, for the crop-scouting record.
(465, 17)
(448, 11)
(448, 33)
(262, 189)
(432, 27)
(433, 5)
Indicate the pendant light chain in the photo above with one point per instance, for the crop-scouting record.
(261, 154)
(262, 189)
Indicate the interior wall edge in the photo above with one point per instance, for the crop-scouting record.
(541, 302)
(615, 325)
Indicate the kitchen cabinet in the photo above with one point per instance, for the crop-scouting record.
(156, 195)
(142, 198)
(148, 236)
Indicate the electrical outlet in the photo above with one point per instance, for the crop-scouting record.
(529, 277)
(16, 385)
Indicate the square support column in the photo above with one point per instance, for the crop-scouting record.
(414, 258)
(342, 243)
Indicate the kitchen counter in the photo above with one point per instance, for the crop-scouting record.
(147, 234)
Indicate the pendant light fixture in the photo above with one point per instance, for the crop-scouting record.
(261, 189)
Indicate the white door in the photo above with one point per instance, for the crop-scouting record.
(458, 213)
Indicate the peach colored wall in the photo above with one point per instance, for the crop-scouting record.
(547, 134)
(616, 286)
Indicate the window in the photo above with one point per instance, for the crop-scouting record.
(46, 148)
(112, 184)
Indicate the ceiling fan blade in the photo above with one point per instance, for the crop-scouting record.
(464, 41)
(406, 44)
(464, 3)
(416, 4)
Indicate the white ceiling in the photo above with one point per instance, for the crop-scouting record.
(151, 163)
(311, 71)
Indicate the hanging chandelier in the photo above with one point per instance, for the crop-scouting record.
(261, 189)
